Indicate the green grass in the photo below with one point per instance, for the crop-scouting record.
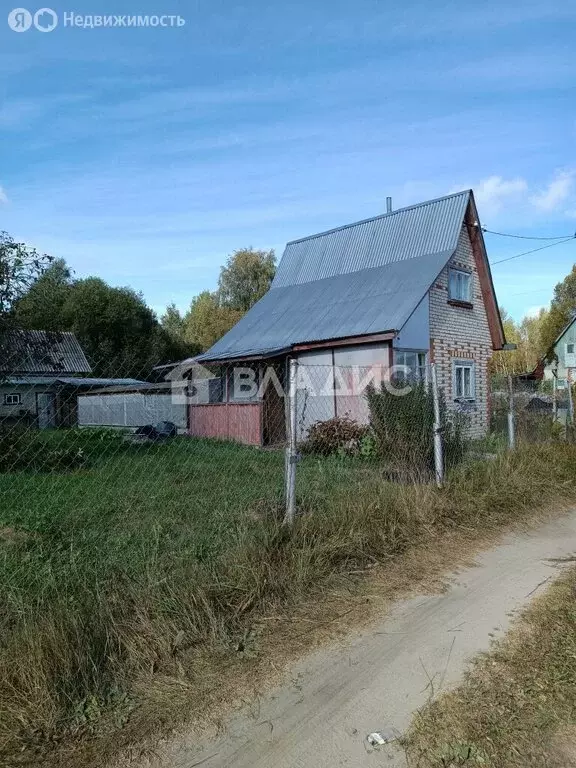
(119, 571)
(517, 706)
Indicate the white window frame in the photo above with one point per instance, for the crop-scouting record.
(467, 387)
(13, 398)
(459, 285)
(421, 362)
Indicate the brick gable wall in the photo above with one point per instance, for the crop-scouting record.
(461, 333)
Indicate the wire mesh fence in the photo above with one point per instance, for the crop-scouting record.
(249, 438)
(145, 515)
(525, 410)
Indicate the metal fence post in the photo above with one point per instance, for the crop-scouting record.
(511, 430)
(291, 450)
(438, 457)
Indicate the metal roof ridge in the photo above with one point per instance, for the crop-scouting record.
(378, 217)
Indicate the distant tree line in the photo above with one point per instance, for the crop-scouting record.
(119, 332)
(122, 336)
(535, 335)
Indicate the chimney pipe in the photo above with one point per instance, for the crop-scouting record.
(388, 205)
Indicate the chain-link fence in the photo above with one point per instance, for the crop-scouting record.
(245, 439)
(527, 410)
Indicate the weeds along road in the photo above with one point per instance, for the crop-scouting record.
(376, 680)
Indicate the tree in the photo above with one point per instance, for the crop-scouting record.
(506, 362)
(207, 320)
(41, 306)
(117, 330)
(562, 309)
(529, 344)
(245, 278)
(20, 266)
(173, 322)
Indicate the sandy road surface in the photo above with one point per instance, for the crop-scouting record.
(377, 679)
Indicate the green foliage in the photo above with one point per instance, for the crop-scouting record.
(530, 344)
(40, 308)
(20, 265)
(207, 320)
(562, 310)
(403, 427)
(338, 435)
(453, 755)
(119, 333)
(173, 322)
(245, 278)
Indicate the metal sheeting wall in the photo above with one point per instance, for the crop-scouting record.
(332, 382)
(129, 410)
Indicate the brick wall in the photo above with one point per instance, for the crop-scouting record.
(461, 333)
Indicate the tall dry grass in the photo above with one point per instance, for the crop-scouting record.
(74, 639)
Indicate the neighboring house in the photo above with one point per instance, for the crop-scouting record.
(41, 376)
(406, 288)
(559, 363)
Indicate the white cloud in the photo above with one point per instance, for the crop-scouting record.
(535, 311)
(3, 196)
(493, 192)
(556, 192)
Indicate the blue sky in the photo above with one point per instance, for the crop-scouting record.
(146, 156)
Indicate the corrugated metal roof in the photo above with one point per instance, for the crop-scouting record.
(42, 352)
(407, 233)
(73, 381)
(359, 279)
(370, 301)
(95, 382)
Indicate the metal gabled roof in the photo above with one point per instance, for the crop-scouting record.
(373, 300)
(356, 280)
(430, 227)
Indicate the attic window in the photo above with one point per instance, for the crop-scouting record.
(569, 349)
(459, 285)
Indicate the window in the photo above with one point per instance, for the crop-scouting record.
(464, 380)
(413, 362)
(12, 399)
(569, 349)
(459, 285)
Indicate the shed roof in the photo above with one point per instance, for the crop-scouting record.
(72, 381)
(42, 352)
(361, 279)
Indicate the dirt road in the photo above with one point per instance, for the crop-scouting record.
(376, 680)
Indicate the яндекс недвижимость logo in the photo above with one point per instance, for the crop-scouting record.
(21, 20)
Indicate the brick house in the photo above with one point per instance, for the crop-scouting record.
(406, 288)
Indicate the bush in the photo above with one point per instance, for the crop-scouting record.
(403, 426)
(337, 435)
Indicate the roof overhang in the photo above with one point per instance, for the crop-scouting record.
(495, 326)
(345, 341)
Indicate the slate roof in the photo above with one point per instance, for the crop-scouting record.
(356, 280)
(42, 352)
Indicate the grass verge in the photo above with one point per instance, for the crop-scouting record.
(517, 705)
(158, 565)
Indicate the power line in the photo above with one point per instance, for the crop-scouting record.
(534, 250)
(527, 237)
